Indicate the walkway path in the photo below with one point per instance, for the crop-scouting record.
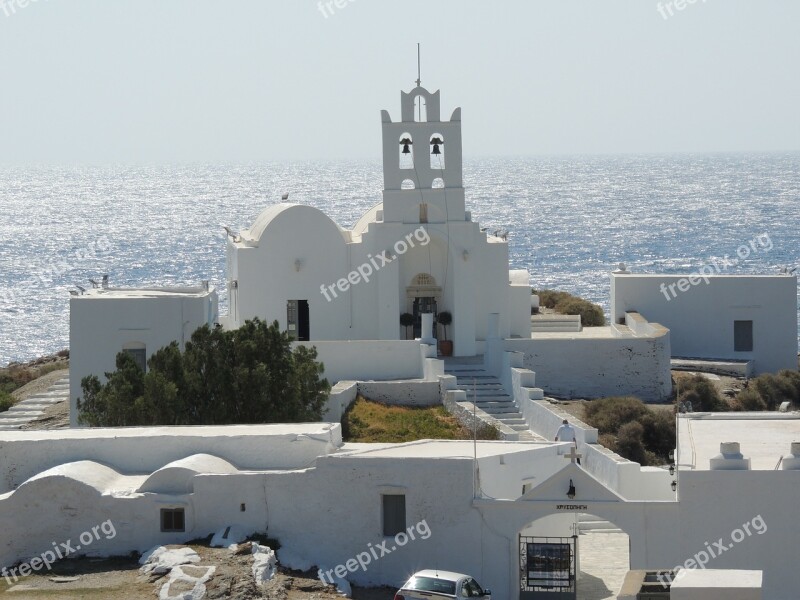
(604, 560)
(34, 406)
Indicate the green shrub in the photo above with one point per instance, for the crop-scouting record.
(549, 298)
(628, 427)
(6, 401)
(630, 444)
(567, 304)
(793, 377)
(749, 400)
(659, 434)
(775, 389)
(591, 314)
(246, 375)
(608, 415)
(14, 378)
(702, 393)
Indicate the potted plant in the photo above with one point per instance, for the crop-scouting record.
(406, 320)
(445, 345)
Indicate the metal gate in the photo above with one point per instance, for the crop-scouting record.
(547, 568)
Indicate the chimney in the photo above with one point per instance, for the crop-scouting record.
(729, 458)
(792, 461)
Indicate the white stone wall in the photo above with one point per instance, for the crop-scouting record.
(143, 450)
(378, 360)
(700, 319)
(595, 367)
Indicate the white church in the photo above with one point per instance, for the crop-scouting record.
(514, 513)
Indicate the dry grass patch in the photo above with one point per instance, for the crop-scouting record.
(372, 422)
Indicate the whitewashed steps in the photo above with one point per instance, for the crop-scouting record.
(33, 407)
(488, 394)
(590, 524)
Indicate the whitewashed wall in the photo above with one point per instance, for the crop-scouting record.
(364, 360)
(700, 319)
(589, 367)
(146, 449)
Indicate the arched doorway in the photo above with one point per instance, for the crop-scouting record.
(572, 556)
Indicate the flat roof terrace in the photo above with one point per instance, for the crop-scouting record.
(763, 437)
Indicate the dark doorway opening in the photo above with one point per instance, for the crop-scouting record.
(297, 319)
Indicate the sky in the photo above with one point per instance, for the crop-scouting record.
(184, 81)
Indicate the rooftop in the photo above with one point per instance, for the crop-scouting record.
(763, 437)
(160, 292)
(94, 433)
(440, 449)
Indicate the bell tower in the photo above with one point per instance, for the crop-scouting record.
(422, 176)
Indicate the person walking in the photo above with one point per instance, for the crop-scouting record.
(566, 433)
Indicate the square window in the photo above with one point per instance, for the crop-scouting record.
(394, 514)
(743, 336)
(173, 519)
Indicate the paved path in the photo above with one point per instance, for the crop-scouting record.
(604, 563)
(34, 406)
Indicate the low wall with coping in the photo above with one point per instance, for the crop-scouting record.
(627, 478)
(584, 366)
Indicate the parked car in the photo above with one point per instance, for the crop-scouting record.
(441, 584)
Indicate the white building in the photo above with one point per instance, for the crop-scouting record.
(106, 321)
(482, 509)
(418, 251)
(747, 318)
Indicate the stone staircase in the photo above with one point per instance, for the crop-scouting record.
(34, 407)
(591, 524)
(488, 394)
(553, 323)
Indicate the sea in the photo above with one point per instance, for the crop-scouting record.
(570, 221)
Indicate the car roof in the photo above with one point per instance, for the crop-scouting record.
(449, 575)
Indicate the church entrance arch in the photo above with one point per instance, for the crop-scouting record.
(585, 562)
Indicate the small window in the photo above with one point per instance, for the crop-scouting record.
(139, 356)
(743, 336)
(423, 213)
(173, 519)
(394, 514)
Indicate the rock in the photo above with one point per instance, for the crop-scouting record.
(242, 549)
(64, 579)
(160, 560)
(265, 563)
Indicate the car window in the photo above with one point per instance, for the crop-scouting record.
(432, 584)
(472, 589)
